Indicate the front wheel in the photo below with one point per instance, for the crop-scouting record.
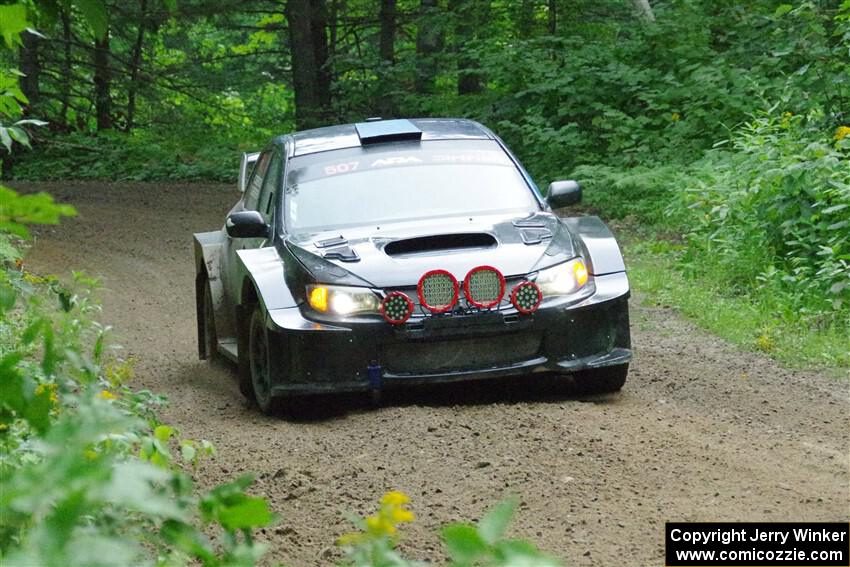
(601, 380)
(259, 363)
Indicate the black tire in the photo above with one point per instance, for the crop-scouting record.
(604, 380)
(259, 366)
(210, 336)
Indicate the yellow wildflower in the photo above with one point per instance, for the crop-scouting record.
(106, 395)
(400, 515)
(385, 523)
(841, 132)
(395, 498)
(32, 278)
(48, 390)
(675, 117)
(4, 426)
(765, 343)
(787, 114)
(379, 525)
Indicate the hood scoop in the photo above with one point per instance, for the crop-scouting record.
(337, 248)
(532, 229)
(535, 235)
(342, 253)
(440, 243)
(531, 221)
(328, 242)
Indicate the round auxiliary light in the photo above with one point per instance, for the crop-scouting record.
(484, 286)
(526, 297)
(438, 291)
(396, 308)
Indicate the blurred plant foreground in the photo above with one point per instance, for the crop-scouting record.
(713, 134)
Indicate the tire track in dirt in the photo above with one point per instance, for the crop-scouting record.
(702, 431)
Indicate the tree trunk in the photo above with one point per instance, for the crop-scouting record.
(645, 10)
(310, 74)
(525, 19)
(429, 41)
(31, 68)
(135, 63)
(68, 77)
(102, 83)
(320, 44)
(387, 43)
(386, 50)
(470, 16)
(553, 17)
(333, 28)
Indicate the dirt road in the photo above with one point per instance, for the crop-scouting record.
(702, 431)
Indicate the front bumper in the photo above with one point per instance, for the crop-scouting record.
(311, 357)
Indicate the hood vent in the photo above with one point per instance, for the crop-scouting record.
(440, 243)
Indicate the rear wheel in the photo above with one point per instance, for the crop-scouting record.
(210, 337)
(259, 363)
(601, 380)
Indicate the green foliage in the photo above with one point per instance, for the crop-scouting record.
(142, 155)
(13, 21)
(773, 214)
(760, 232)
(467, 545)
(16, 211)
(89, 477)
(751, 321)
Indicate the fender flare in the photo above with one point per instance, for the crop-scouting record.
(602, 251)
(264, 268)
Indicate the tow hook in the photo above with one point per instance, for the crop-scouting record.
(376, 378)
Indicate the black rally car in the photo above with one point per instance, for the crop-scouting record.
(406, 251)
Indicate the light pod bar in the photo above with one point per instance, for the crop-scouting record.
(438, 291)
(484, 286)
(526, 297)
(396, 308)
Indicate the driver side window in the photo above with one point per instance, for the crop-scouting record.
(252, 193)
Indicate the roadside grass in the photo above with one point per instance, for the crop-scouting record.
(753, 323)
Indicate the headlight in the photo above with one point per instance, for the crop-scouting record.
(340, 300)
(563, 279)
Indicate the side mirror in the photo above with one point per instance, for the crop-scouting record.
(245, 168)
(246, 224)
(563, 194)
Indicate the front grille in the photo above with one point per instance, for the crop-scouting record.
(462, 306)
(478, 353)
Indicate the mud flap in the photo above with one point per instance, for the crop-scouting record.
(207, 246)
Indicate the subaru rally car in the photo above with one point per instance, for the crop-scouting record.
(396, 252)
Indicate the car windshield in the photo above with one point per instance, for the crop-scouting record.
(398, 182)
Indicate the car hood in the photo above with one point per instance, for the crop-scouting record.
(397, 254)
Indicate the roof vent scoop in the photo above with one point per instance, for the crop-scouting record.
(374, 132)
(440, 243)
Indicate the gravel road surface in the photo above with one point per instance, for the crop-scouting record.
(702, 430)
